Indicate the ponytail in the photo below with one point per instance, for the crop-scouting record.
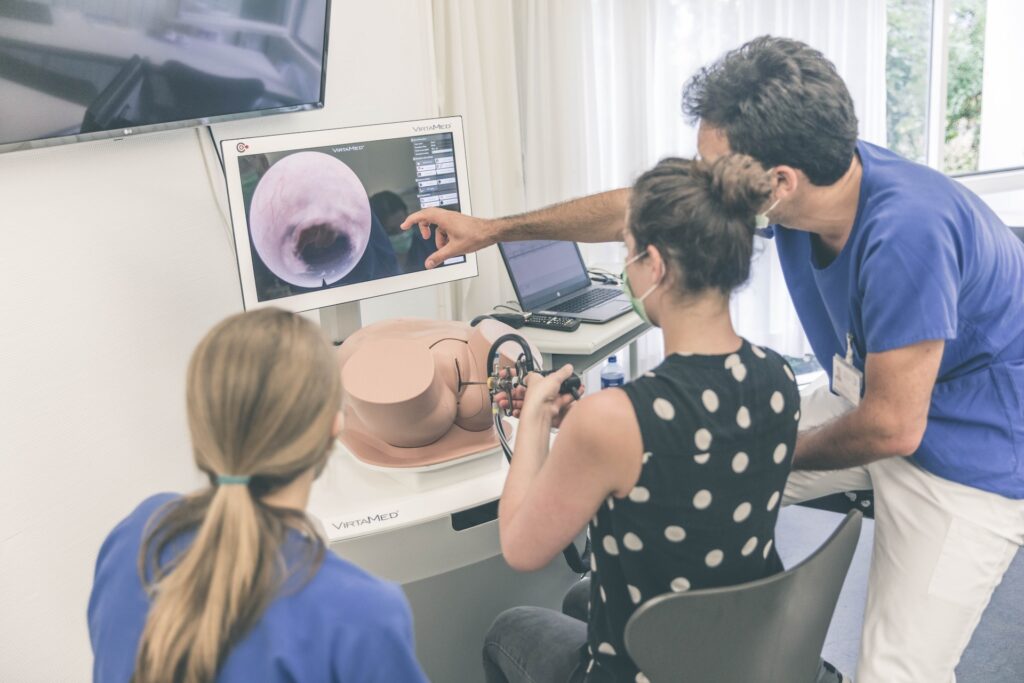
(262, 395)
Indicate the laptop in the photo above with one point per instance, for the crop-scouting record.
(549, 277)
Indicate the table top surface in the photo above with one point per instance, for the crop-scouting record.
(588, 338)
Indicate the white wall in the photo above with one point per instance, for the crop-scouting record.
(115, 261)
(1003, 191)
(1002, 136)
(1008, 205)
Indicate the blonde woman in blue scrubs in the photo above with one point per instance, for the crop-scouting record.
(231, 582)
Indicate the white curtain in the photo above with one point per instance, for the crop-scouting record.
(600, 84)
(477, 79)
(567, 98)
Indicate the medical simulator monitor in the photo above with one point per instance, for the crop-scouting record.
(316, 215)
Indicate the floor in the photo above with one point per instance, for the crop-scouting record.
(994, 654)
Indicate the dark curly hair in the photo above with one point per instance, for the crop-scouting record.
(781, 102)
(700, 216)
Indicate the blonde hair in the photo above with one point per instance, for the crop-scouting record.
(263, 392)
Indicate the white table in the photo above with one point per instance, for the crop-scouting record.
(590, 344)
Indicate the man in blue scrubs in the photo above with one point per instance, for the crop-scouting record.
(911, 292)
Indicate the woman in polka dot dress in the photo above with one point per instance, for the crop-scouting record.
(679, 472)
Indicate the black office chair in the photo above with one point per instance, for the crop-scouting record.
(764, 631)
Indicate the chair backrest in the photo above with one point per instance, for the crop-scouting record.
(771, 629)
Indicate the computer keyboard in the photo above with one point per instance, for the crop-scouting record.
(553, 322)
(592, 298)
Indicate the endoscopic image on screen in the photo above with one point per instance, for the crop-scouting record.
(330, 216)
(70, 67)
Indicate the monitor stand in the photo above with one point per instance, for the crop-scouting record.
(341, 321)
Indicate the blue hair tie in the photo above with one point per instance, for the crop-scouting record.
(233, 479)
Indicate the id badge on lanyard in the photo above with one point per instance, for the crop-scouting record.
(847, 380)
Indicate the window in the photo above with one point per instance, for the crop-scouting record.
(906, 76)
(952, 68)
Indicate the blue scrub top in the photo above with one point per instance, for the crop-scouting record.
(928, 260)
(342, 626)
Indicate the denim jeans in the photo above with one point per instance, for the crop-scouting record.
(576, 602)
(538, 645)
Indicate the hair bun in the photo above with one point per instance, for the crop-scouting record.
(740, 185)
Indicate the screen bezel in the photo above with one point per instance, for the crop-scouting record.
(122, 133)
(324, 138)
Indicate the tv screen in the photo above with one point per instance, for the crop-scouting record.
(84, 69)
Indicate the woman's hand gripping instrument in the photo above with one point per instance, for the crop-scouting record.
(505, 380)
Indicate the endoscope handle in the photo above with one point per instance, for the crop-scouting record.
(569, 386)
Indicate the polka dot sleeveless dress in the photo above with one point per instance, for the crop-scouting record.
(718, 435)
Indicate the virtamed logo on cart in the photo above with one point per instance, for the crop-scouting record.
(365, 521)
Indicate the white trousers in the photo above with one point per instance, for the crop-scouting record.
(940, 550)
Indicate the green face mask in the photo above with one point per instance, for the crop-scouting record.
(637, 303)
(401, 242)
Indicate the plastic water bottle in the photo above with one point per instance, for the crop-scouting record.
(612, 374)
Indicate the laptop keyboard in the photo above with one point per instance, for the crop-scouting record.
(594, 297)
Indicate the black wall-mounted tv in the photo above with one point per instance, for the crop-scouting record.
(74, 70)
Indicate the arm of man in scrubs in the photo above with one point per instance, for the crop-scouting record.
(597, 218)
(908, 290)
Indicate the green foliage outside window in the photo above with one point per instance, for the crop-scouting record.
(907, 74)
(908, 46)
(963, 94)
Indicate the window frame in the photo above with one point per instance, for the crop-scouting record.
(938, 82)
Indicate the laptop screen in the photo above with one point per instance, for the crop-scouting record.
(542, 270)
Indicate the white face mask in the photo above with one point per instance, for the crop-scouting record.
(761, 220)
